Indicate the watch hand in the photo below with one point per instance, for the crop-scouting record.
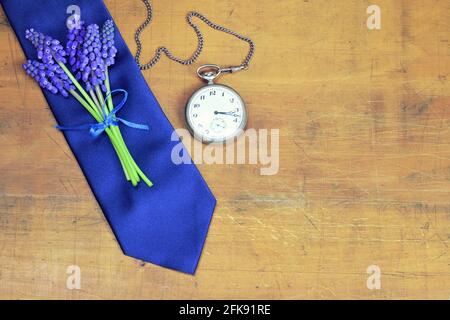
(229, 113)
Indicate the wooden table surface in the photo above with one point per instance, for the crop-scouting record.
(364, 173)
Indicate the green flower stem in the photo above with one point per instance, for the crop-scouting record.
(100, 94)
(108, 88)
(141, 174)
(131, 169)
(126, 165)
(116, 132)
(136, 167)
(122, 162)
(113, 141)
(111, 107)
(86, 105)
(97, 103)
(122, 152)
(77, 84)
(124, 168)
(122, 156)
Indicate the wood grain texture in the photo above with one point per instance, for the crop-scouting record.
(364, 160)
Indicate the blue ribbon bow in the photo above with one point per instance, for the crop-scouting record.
(109, 119)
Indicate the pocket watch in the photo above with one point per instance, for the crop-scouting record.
(215, 113)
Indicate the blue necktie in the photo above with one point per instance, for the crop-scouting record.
(165, 225)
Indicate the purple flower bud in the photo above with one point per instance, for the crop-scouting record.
(76, 37)
(48, 49)
(109, 51)
(64, 93)
(49, 77)
(85, 77)
(90, 66)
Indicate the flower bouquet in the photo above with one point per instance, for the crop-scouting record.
(81, 70)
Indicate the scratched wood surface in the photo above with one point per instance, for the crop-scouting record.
(364, 173)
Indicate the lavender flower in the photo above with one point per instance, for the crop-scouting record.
(48, 49)
(109, 51)
(50, 77)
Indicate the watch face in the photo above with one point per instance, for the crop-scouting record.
(216, 113)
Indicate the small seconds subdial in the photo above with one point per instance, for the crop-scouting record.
(218, 125)
(216, 113)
